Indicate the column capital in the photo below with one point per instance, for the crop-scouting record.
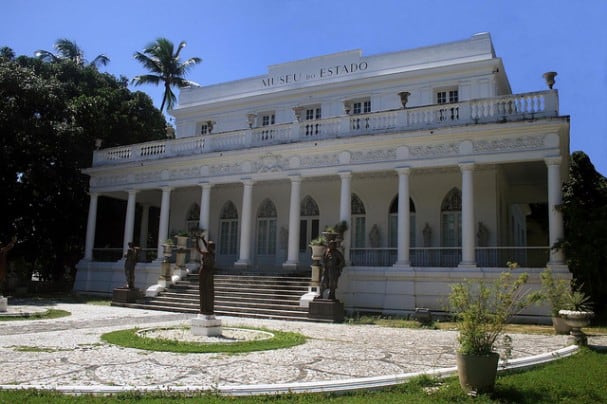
(132, 191)
(166, 188)
(205, 185)
(553, 161)
(466, 166)
(295, 178)
(345, 174)
(247, 181)
(403, 170)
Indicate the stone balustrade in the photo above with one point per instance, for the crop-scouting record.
(499, 109)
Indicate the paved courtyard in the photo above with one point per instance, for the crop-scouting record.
(68, 354)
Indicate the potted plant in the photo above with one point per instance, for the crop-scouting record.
(577, 314)
(556, 291)
(182, 238)
(318, 246)
(482, 309)
(168, 247)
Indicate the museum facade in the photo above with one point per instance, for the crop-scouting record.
(439, 170)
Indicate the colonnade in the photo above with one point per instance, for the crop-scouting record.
(555, 220)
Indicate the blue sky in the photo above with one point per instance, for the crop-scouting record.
(240, 38)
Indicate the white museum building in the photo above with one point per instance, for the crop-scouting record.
(439, 170)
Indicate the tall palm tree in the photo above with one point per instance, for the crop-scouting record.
(162, 60)
(69, 50)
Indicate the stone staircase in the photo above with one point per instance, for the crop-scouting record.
(260, 296)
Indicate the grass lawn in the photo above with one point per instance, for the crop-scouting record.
(577, 379)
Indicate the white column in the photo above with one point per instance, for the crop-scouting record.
(90, 227)
(163, 227)
(468, 241)
(345, 210)
(205, 206)
(246, 225)
(143, 228)
(555, 217)
(129, 221)
(404, 218)
(294, 218)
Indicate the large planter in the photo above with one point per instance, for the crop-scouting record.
(318, 251)
(576, 320)
(560, 326)
(477, 372)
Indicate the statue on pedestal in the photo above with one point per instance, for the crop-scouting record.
(129, 265)
(333, 262)
(205, 277)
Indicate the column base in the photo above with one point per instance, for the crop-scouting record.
(404, 265)
(467, 265)
(242, 264)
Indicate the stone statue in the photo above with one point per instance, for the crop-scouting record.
(4, 249)
(333, 262)
(129, 265)
(205, 276)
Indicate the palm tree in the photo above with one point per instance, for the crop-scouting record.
(164, 65)
(69, 50)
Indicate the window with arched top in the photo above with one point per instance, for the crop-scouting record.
(192, 218)
(358, 213)
(309, 227)
(266, 228)
(451, 219)
(393, 223)
(228, 229)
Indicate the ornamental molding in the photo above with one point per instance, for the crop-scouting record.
(320, 160)
(374, 155)
(508, 144)
(435, 150)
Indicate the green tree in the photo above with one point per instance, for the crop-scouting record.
(50, 117)
(69, 50)
(162, 61)
(585, 214)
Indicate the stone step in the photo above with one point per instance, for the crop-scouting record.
(238, 295)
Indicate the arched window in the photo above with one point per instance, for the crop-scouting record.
(451, 219)
(266, 228)
(192, 219)
(309, 222)
(358, 222)
(393, 223)
(228, 229)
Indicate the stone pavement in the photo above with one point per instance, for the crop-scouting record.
(67, 354)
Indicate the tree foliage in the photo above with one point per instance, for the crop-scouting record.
(69, 50)
(162, 61)
(50, 117)
(585, 213)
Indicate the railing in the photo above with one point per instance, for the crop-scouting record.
(498, 109)
(487, 257)
(116, 254)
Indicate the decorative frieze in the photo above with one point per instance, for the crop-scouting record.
(435, 150)
(374, 155)
(508, 144)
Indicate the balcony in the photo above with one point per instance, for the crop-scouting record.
(514, 107)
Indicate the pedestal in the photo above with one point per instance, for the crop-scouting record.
(206, 326)
(125, 295)
(3, 304)
(323, 309)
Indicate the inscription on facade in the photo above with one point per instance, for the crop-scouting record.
(321, 73)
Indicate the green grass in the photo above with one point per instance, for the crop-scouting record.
(577, 379)
(130, 339)
(43, 315)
